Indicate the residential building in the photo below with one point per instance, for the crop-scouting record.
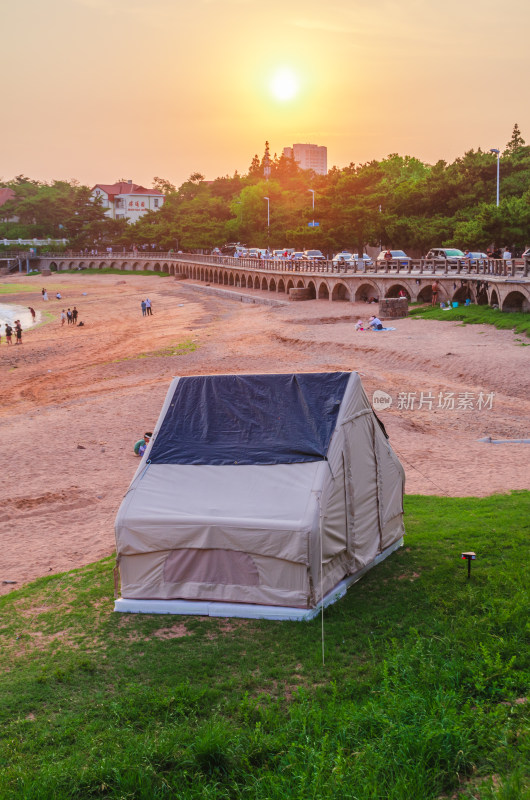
(127, 200)
(309, 156)
(6, 195)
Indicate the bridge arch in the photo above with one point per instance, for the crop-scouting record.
(165, 268)
(243, 281)
(135, 266)
(281, 285)
(312, 290)
(290, 285)
(494, 298)
(124, 265)
(211, 276)
(81, 265)
(323, 291)
(256, 282)
(463, 293)
(231, 279)
(396, 288)
(300, 285)
(156, 268)
(516, 301)
(225, 278)
(92, 265)
(264, 284)
(340, 293)
(365, 292)
(238, 279)
(272, 285)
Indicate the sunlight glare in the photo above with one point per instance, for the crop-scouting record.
(284, 84)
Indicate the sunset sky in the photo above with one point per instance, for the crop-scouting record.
(100, 90)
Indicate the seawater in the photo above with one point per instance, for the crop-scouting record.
(9, 313)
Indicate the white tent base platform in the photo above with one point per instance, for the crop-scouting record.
(247, 610)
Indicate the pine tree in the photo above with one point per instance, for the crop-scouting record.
(515, 143)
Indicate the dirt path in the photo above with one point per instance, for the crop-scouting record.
(74, 399)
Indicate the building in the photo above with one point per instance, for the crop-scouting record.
(127, 200)
(309, 156)
(6, 195)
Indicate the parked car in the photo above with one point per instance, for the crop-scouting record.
(397, 255)
(442, 254)
(314, 255)
(298, 256)
(339, 258)
(476, 258)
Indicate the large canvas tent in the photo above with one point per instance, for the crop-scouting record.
(258, 496)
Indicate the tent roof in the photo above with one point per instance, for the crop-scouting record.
(250, 419)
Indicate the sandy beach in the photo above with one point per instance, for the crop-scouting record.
(75, 399)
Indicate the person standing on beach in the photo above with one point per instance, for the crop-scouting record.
(143, 307)
(435, 288)
(74, 315)
(44, 294)
(18, 332)
(148, 307)
(9, 333)
(69, 316)
(63, 317)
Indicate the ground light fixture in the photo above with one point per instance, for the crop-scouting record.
(469, 557)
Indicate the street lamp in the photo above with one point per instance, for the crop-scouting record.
(268, 220)
(313, 193)
(498, 154)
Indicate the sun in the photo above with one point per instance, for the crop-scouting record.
(284, 84)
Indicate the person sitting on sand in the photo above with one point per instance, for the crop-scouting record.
(375, 324)
(141, 444)
(58, 296)
(359, 325)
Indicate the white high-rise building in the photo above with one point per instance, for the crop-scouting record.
(309, 156)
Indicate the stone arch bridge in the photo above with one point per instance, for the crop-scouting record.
(491, 283)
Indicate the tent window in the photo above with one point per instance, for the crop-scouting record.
(190, 565)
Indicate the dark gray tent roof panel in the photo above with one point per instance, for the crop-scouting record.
(250, 419)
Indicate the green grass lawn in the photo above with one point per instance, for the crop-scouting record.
(424, 693)
(14, 288)
(476, 315)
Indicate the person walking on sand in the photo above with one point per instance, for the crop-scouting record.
(63, 317)
(32, 312)
(9, 333)
(148, 308)
(74, 315)
(18, 332)
(143, 308)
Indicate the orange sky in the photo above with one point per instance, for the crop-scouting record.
(105, 89)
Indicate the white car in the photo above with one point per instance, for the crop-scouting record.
(339, 258)
(314, 255)
(440, 255)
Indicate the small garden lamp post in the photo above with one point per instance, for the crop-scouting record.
(469, 557)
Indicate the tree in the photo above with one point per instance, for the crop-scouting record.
(515, 143)
(163, 185)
